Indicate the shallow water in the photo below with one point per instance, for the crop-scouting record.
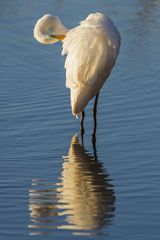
(50, 185)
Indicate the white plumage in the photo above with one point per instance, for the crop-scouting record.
(92, 49)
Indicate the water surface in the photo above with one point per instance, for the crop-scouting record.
(50, 185)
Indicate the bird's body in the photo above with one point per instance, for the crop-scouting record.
(92, 49)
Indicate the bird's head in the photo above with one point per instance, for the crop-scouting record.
(49, 29)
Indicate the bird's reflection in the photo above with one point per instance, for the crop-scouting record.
(83, 199)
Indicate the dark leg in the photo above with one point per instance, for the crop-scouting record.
(95, 119)
(94, 145)
(82, 127)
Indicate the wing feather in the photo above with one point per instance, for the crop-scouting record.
(91, 53)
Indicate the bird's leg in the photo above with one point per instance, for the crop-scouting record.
(82, 127)
(94, 145)
(95, 119)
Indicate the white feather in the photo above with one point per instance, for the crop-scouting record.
(47, 26)
(92, 49)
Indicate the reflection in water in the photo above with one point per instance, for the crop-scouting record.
(83, 199)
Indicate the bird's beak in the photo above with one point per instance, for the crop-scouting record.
(58, 37)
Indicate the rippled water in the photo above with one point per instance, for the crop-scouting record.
(50, 185)
(82, 199)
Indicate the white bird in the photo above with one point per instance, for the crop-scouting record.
(92, 49)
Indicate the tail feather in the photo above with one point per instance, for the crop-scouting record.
(80, 98)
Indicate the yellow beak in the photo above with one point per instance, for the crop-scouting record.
(59, 37)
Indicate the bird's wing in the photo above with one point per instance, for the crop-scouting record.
(91, 51)
(89, 56)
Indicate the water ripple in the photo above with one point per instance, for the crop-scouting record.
(83, 198)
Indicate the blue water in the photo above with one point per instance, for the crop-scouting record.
(50, 185)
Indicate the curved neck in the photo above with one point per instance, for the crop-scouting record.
(49, 30)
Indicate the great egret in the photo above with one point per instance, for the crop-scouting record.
(92, 49)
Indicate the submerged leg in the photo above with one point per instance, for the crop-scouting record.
(95, 118)
(82, 127)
